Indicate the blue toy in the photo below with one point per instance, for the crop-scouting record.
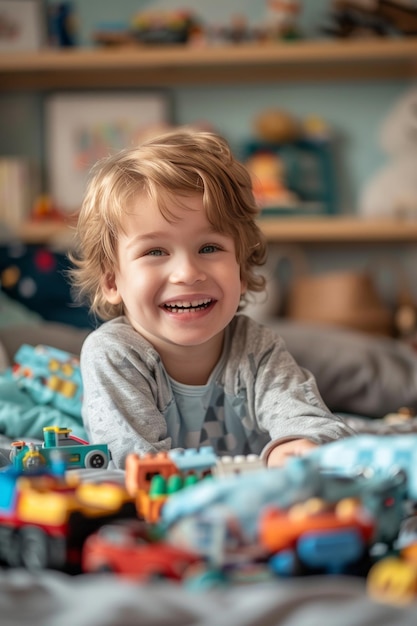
(193, 459)
(59, 448)
(50, 376)
(381, 455)
(245, 494)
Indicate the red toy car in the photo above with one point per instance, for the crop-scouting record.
(130, 548)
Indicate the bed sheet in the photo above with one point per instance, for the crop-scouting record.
(51, 599)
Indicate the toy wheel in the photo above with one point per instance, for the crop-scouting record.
(96, 459)
(11, 549)
(157, 576)
(34, 548)
(33, 463)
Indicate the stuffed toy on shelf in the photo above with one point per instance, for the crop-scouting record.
(392, 191)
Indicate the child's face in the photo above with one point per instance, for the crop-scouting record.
(179, 281)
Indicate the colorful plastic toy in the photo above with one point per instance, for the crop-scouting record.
(315, 536)
(218, 514)
(131, 549)
(152, 478)
(59, 444)
(238, 464)
(200, 460)
(383, 496)
(382, 455)
(393, 580)
(45, 518)
(246, 494)
(140, 469)
(218, 535)
(237, 500)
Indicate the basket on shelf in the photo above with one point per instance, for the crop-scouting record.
(351, 298)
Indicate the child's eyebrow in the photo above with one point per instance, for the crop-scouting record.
(144, 237)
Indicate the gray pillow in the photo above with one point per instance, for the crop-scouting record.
(62, 336)
(355, 372)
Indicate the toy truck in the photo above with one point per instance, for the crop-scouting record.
(58, 442)
(45, 517)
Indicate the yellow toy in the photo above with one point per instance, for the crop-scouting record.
(393, 580)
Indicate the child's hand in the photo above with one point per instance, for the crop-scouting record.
(279, 455)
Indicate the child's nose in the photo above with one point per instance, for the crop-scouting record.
(187, 269)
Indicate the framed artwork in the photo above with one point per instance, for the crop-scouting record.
(22, 25)
(83, 128)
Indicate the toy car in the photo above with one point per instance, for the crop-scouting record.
(59, 446)
(132, 549)
(45, 518)
(316, 536)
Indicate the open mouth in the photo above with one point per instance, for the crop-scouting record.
(186, 307)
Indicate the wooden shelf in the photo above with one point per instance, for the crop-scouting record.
(377, 58)
(135, 66)
(316, 230)
(327, 230)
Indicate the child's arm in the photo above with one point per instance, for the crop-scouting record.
(123, 392)
(282, 398)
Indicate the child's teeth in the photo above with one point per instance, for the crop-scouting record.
(180, 307)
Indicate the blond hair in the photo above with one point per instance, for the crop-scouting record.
(177, 163)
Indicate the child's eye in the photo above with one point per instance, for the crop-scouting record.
(209, 249)
(155, 252)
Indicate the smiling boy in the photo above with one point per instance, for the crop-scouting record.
(168, 252)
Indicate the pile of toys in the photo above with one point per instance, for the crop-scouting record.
(195, 518)
(46, 516)
(182, 26)
(298, 520)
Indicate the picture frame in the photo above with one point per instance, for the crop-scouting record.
(305, 177)
(83, 127)
(22, 25)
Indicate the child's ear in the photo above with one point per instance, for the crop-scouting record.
(109, 287)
